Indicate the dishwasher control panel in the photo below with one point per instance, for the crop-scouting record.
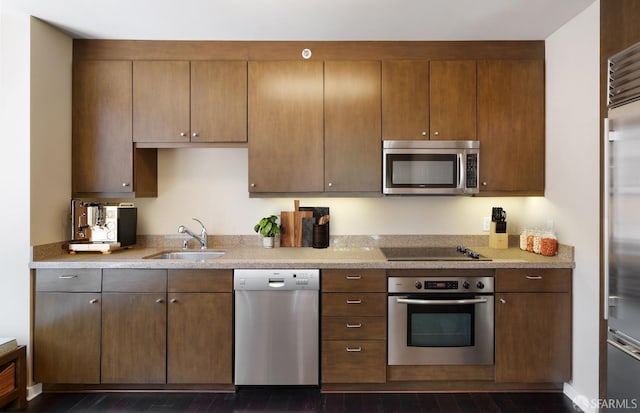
(276, 279)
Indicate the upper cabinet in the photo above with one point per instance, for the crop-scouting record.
(182, 101)
(352, 144)
(511, 126)
(429, 99)
(405, 99)
(286, 126)
(104, 160)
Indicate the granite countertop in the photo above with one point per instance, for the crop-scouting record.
(339, 255)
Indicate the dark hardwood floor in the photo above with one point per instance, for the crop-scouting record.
(262, 400)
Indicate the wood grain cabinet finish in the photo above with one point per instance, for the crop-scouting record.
(183, 101)
(533, 326)
(286, 126)
(354, 326)
(66, 330)
(352, 147)
(103, 155)
(452, 99)
(200, 327)
(511, 126)
(134, 326)
(429, 99)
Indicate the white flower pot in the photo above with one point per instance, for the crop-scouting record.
(267, 242)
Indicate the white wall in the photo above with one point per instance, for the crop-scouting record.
(14, 169)
(573, 183)
(211, 184)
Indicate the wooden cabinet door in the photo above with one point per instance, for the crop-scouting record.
(511, 126)
(286, 121)
(452, 103)
(102, 151)
(533, 337)
(200, 336)
(134, 333)
(66, 338)
(352, 136)
(218, 101)
(405, 99)
(161, 96)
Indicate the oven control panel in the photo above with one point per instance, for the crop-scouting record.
(440, 285)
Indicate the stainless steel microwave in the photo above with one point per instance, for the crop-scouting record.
(430, 167)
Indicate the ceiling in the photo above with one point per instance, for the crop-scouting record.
(303, 19)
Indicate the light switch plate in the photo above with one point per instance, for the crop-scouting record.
(486, 224)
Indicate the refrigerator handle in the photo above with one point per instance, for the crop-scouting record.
(606, 191)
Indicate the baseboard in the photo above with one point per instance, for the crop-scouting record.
(34, 391)
(579, 400)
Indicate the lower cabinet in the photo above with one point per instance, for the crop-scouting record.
(66, 330)
(133, 326)
(533, 326)
(353, 324)
(134, 319)
(200, 327)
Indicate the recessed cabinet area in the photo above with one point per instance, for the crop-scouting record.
(313, 126)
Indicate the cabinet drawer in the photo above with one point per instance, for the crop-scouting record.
(354, 280)
(354, 328)
(354, 304)
(69, 280)
(200, 281)
(532, 280)
(356, 361)
(134, 280)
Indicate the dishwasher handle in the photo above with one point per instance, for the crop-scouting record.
(276, 282)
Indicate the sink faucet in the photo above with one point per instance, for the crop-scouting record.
(203, 233)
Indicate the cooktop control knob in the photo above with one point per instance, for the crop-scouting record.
(466, 285)
(480, 285)
(418, 285)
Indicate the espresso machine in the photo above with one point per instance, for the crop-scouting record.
(97, 226)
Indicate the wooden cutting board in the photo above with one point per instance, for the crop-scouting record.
(291, 221)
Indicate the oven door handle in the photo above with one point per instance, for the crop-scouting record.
(441, 302)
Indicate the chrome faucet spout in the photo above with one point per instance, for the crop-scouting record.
(202, 239)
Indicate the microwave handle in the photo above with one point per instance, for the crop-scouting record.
(460, 172)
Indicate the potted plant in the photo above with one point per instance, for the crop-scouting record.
(268, 227)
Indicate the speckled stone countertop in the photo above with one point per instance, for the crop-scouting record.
(360, 252)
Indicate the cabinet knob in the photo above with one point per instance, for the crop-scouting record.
(160, 300)
(503, 301)
(173, 300)
(125, 184)
(436, 133)
(253, 185)
(424, 133)
(93, 301)
(194, 134)
(330, 184)
(484, 183)
(183, 134)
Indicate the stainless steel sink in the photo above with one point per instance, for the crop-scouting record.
(201, 255)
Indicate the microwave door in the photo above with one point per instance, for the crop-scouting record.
(421, 173)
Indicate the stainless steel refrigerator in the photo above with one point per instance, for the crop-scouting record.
(622, 223)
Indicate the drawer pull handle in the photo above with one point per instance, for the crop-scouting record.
(354, 277)
(354, 349)
(93, 301)
(534, 277)
(67, 277)
(359, 325)
(354, 301)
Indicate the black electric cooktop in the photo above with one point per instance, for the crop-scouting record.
(458, 253)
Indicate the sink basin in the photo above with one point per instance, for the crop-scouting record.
(188, 255)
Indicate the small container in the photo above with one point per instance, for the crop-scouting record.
(537, 241)
(320, 236)
(523, 239)
(530, 237)
(549, 243)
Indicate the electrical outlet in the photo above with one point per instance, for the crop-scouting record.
(486, 224)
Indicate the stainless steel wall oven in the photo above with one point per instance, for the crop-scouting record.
(444, 320)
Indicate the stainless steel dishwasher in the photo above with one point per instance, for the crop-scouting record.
(276, 327)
